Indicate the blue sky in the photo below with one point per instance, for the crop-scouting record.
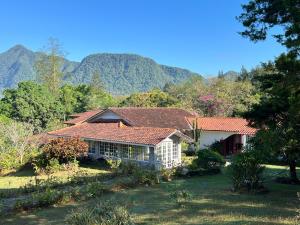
(200, 35)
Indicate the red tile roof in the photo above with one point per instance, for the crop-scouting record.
(81, 117)
(111, 132)
(154, 117)
(227, 124)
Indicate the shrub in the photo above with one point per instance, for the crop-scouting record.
(65, 149)
(216, 147)
(95, 189)
(53, 166)
(167, 174)
(208, 160)
(181, 197)
(104, 213)
(128, 168)
(246, 171)
(145, 176)
(113, 163)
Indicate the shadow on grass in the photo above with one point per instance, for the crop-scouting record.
(212, 203)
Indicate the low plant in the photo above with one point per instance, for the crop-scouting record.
(128, 167)
(95, 189)
(104, 213)
(113, 164)
(167, 174)
(246, 171)
(208, 160)
(181, 197)
(145, 176)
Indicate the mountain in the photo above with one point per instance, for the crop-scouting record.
(120, 73)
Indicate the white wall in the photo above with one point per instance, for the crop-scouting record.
(108, 115)
(209, 137)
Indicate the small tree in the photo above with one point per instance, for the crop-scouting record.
(17, 137)
(66, 149)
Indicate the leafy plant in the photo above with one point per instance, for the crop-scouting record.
(66, 149)
(180, 197)
(104, 213)
(246, 171)
(208, 160)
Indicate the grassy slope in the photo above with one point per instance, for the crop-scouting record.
(213, 203)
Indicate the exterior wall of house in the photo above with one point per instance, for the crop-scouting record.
(138, 153)
(209, 137)
(168, 153)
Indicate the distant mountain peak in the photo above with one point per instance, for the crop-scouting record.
(122, 73)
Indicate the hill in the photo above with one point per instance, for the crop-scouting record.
(121, 73)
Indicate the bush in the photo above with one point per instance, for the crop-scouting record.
(181, 197)
(104, 213)
(95, 189)
(128, 168)
(246, 171)
(145, 176)
(208, 160)
(65, 149)
(216, 147)
(167, 174)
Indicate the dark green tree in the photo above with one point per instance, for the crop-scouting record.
(30, 103)
(259, 16)
(278, 113)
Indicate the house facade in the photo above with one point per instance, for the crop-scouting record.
(232, 133)
(149, 136)
(152, 136)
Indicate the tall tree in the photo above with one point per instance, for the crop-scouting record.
(277, 114)
(260, 16)
(49, 65)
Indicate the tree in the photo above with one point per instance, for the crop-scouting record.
(17, 139)
(31, 103)
(98, 97)
(260, 16)
(153, 98)
(278, 113)
(65, 149)
(49, 65)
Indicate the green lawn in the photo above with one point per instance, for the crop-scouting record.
(212, 203)
(20, 178)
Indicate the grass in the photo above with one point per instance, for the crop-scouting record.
(16, 179)
(212, 203)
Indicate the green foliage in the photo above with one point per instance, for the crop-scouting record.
(209, 160)
(278, 113)
(216, 147)
(246, 171)
(30, 103)
(95, 189)
(16, 146)
(167, 174)
(145, 176)
(215, 96)
(259, 16)
(153, 98)
(181, 197)
(128, 168)
(104, 213)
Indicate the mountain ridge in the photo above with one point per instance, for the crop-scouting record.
(122, 73)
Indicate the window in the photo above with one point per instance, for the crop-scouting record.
(92, 147)
(175, 151)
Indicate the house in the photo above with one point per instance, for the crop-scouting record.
(149, 136)
(232, 132)
(152, 136)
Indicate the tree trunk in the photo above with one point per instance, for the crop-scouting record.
(293, 172)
